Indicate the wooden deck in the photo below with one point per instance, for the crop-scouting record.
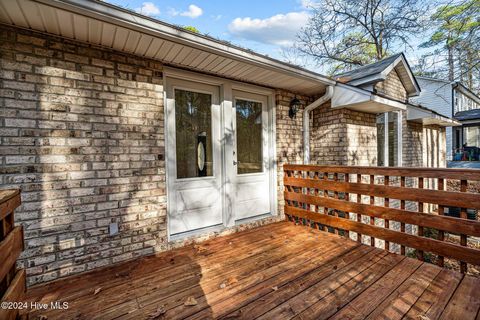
(279, 271)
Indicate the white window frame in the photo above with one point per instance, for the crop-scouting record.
(386, 140)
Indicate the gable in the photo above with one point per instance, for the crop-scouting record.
(392, 87)
(396, 66)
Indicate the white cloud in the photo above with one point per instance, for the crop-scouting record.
(148, 9)
(307, 4)
(192, 12)
(280, 29)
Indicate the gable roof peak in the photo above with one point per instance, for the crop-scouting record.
(378, 71)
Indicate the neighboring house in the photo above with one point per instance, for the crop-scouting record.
(112, 119)
(454, 100)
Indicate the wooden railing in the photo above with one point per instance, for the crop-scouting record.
(12, 285)
(389, 204)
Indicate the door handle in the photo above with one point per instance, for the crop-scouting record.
(235, 162)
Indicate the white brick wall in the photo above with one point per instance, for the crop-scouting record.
(83, 137)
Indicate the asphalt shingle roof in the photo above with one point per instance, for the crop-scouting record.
(468, 115)
(368, 70)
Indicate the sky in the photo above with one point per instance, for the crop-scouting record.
(265, 26)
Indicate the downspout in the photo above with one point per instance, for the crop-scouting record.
(306, 122)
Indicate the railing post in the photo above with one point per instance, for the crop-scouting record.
(386, 203)
(402, 207)
(372, 202)
(359, 200)
(463, 215)
(420, 254)
(441, 234)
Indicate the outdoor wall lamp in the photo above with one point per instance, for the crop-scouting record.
(294, 107)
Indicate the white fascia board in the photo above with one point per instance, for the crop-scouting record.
(460, 87)
(411, 77)
(392, 103)
(428, 117)
(382, 76)
(345, 96)
(414, 113)
(112, 14)
(470, 121)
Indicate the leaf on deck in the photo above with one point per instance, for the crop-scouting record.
(191, 301)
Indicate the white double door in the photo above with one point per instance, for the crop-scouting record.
(219, 159)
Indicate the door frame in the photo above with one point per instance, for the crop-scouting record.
(226, 128)
(266, 142)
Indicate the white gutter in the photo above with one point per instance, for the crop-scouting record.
(306, 121)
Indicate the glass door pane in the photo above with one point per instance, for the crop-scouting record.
(249, 128)
(193, 128)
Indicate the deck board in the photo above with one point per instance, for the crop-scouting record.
(278, 271)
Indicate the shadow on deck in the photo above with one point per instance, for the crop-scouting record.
(278, 271)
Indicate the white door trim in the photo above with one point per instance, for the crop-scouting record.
(226, 96)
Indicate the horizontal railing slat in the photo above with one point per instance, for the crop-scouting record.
(10, 249)
(8, 205)
(444, 223)
(466, 254)
(446, 198)
(450, 173)
(6, 194)
(404, 207)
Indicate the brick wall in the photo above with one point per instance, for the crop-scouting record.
(361, 138)
(412, 144)
(434, 146)
(392, 87)
(82, 134)
(328, 136)
(289, 136)
(343, 137)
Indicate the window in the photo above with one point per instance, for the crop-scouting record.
(471, 136)
(193, 127)
(249, 136)
(389, 139)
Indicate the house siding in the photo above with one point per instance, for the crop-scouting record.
(289, 138)
(435, 95)
(438, 96)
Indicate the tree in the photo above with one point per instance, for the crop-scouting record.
(343, 34)
(191, 29)
(456, 36)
